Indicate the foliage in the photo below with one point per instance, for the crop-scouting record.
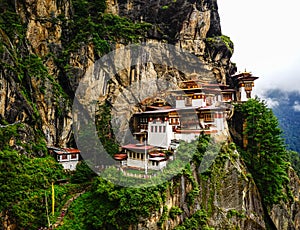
(83, 173)
(215, 41)
(265, 153)
(108, 206)
(6, 134)
(23, 184)
(197, 221)
(294, 159)
(19, 64)
(104, 129)
(232, 212)
(101, 28)
(175, 211)
(164, 216)
(12, 134)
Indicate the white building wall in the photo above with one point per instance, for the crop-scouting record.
(141, 164)
(243, 94)
(219, 97)
(160, 165)
(219, 120)
(135, 163)
(161, 139)
(69, 165)
(198, 102)
(180, 104)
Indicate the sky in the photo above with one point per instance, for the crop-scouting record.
(266, 37)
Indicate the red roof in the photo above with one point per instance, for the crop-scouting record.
(120, 156)
(157, 154)
(246, 76)
(71, 150)
(64, 150)
(137, 146)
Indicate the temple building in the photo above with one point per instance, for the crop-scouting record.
(67, 157)
(142, 156)
(199, 107)
(244, 83)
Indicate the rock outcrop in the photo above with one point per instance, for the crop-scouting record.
(45, 35)
(227, 194)
(39, 75)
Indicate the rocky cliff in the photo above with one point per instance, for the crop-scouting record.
(227, 194)
(48, 45)
(42, 65)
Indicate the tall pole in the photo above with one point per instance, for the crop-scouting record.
(53, 199)
(146, 159)
(47, 212)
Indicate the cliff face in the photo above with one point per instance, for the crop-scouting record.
(42, 97)
(39, 75)
(227, 194)
(31, 90)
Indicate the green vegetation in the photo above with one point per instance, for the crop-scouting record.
(228, 42)
(163, 217)
(231, 213)
(175, 211)
(197, 221)
(83, 173)
(265, 153)
(294, 158)
(104, 129)
(101, 29)
(108, 206)
(24, 184)
(11, 136)
(215, 41)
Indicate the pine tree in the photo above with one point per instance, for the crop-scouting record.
(265, 153)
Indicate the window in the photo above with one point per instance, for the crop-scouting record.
(160, 129)
(130, 154)
(74, 156)
(156, 129)
(155, 163)
(248, 94)
(133, 155)
(142, 156)
(227, 97)
(151, 129)
(188, 101)
(164, 129)
(64, 157)
(208, 117)
(248, 86)
(143, 120)
(138, 155)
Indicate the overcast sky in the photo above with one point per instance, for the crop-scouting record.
(266, 37)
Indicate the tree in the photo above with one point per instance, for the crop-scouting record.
(265, 153)
(83, 173)
(294, 158)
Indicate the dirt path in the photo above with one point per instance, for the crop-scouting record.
(64, 209)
